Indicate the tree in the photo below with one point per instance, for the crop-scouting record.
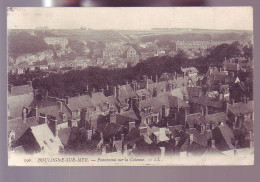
(20, 43)
(77, 46)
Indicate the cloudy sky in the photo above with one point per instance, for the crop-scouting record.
(238, 18)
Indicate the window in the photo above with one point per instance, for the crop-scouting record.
(45, 142)
(51, 140)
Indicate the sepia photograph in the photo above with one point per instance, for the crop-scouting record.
(130, 86)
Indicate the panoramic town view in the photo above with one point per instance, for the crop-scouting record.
(167, 92)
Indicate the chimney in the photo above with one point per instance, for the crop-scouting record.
(163, 111)
(104, 150)
(125, 150)
(30, 83)
(156, 78)
(162, 152)
(131, 125)
(67, 100)
(206, 110)
(202, 111)
(251, 139)
(191, 138)
(208, 127)
(60, 105)
(101, 136)
(107, 87)
(177, 140)
(213, 145)
(112, 117)
(202, 129)
(227, 107)
(89, 134)
(115, 91)
(94, 90)
(84, 118)
(42, 118)
(102, 90)
(34, 111)
(24, 114)
(122, 137)
(53, 125)
(147, 85)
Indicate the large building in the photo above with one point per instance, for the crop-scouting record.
(62, 41)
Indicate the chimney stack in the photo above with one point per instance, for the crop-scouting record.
(125, 150)
(177, 140)
(251, 139)
(53, 125)
(206, 110)
(42, 118)
(112, 116)
(213, 145)
(60, 105)
(104, 150)
(122, 137)
(131, 125)
(162, 152)
(191, 138)
(115, 91)
(24, 114)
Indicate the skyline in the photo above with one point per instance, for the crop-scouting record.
(219, 18)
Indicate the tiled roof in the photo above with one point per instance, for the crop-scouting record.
(143, 92)
(130, 114)
(80, 102)
(21, 90)
(241, 108)
(217, 117)
(159, 87)
(98, 98)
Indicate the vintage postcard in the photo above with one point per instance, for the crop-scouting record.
(130, 86)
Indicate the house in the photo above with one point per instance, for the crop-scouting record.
(190, 72)
(19, 98)
(224, 137)
(240, 113)
(205, 104)
(41, 139)
(62, 41)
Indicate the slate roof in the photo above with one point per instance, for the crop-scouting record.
(190, 69)
(19, 126)
(206, 101)
(98, 98)
(46, 139)
(232, 66)
(126, 92)
(21, 90)
(79, 102)
(217, 117)
(224, 138)
(64, 135)
(143, 92)
(241, 108)
(166, 77)
(199, 138)
(54, 111)
(159, 87)
(182, 81)
(195, 118)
